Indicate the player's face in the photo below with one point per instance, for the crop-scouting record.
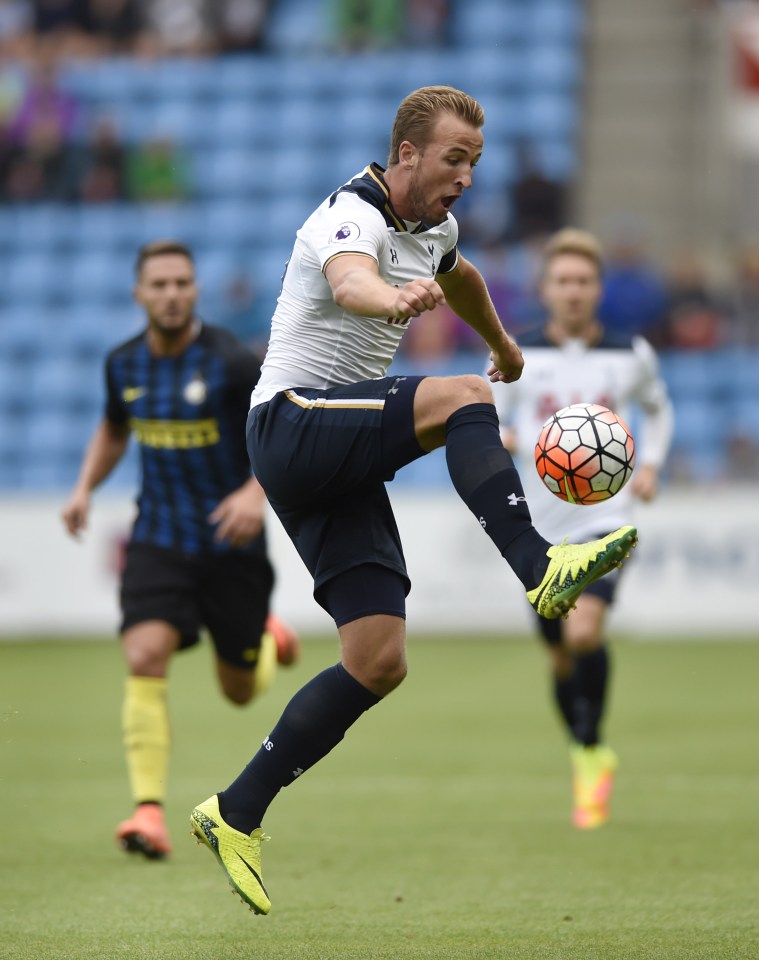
(571, 290)
(166, 289)
(443, 170)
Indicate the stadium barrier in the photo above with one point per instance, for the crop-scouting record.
(693, 573)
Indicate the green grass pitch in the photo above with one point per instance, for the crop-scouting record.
(438, 829)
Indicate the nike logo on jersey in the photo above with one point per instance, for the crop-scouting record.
(130, 394)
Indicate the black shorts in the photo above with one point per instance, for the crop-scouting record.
(323, 457)
(605, 589)
(227, 593)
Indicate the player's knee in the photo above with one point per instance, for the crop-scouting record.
(385, 672)
(239, 694)
(584, 642)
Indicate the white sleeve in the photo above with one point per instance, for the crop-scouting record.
(350, 225)
(658, 420)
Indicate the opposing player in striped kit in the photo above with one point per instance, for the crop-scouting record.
(197, 554)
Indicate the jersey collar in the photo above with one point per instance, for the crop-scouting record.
(371, 188)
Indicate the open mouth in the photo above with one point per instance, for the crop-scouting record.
(448, 202)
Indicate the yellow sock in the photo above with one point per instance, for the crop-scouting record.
(266, 665)
(145, 729)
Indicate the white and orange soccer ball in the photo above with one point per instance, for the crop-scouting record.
(585, 453)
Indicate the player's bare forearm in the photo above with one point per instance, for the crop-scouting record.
(358, 288)
(106, 448)
(104, 451)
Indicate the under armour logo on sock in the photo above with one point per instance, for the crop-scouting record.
(514, 499)
(297, 772)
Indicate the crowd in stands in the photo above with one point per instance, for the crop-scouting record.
(53, 149)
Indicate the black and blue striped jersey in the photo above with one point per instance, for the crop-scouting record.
(188, 414)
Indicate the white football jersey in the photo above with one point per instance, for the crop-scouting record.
(316, 343)
(621, 373)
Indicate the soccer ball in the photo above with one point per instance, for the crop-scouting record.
(585, 453)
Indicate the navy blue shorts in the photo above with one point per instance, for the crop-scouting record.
(605, 589)
(323, 457)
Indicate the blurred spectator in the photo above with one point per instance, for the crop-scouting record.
(538, 203)
(156, 172)
(635, 298)
(432, 337)
(239, 25)
(426, 23)
(103, 166)
(694, 318)
(16, 20)
(113, 25)
(744, 301)
(244, 312)
(39, 136)
(180, 26)
(369, 24)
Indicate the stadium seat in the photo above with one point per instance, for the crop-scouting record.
(240, 122)
(479, 23)
(296, 27)
(35, 276)
(229, 173)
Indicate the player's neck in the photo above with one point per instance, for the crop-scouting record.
(589, 334)
(163, 345)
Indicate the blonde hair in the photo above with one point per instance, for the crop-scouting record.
(577, 242)
(418, 113)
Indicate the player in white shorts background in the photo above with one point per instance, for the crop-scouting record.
(572, 358)
(327, 428)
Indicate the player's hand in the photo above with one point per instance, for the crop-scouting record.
(75, 512)
(645, 483)
(507, 362)
(239, 518)
(417, 296)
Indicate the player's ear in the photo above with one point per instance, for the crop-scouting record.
(407, 154)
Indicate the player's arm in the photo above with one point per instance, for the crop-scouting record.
(358, 288)
(105, 449)
(657, 425)
(239, 518)
(467, 295)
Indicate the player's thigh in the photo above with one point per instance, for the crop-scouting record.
(234, 601)
(310, 445)
(158, 586)
(336, 536)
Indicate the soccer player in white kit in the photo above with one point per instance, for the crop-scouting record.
(573, 359)
(327, 428)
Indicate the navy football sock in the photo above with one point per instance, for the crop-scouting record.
(312, 723)
(485, 478)
(591, 680)
(564, 693)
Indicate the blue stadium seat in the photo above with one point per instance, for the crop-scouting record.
(550, 114)
(22, 332)
(241, 121)
(548, 19)
(297, 26)
(35, 277)
(229, 172)
(180, 120)
(99, 275)
(552, 66)
(41, 227)
(66, 383)
(481, 23)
